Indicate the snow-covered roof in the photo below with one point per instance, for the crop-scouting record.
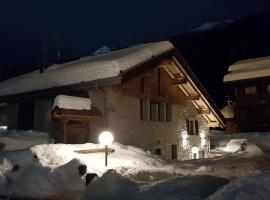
(214, 24)
(248, 69)
(72, 102)
(86, 69)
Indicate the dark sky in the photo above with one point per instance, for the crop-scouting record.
(87, 25)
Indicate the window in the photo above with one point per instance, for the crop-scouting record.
(153, 111)
(161, 111)
(174, 151)
(142, 85)
(143, 109)
(26, 115)
(158, 151)
(168, 112)
(268, 88)
(250, 90)
(192, 127)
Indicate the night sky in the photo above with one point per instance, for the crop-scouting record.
(87, 25)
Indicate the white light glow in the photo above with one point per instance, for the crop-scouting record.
(202, 135)
(3, 127)
(203, 142)
(106, 138)
(195, 150)
(184, 143)
(184, 136)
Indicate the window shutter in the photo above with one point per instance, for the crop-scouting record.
(196, 127)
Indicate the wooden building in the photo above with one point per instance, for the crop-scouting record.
(250, 83)
(146, 95)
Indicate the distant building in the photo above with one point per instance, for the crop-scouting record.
(250, 82)
(146, 95)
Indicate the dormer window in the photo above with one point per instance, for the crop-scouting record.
(250, 90)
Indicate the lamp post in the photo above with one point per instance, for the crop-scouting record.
(106, 138)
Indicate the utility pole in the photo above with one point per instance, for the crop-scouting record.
(58, 48)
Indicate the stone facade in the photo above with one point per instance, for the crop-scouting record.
(122, 118)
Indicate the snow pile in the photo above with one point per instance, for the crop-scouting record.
(212, 25)
(21, 175)
(15, 139)
(125, 159)
(72, 102)
(261, 139)
(114, 187)
(51, 170)
(256, 187)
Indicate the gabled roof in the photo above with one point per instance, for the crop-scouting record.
(87, 69)
(248, 69)
(114, 68)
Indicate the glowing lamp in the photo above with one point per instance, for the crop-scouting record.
(106, 138)
(195, 152)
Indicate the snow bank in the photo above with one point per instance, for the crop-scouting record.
(261, 139)
(72, 102)
(49, 170)
(15, 139)
(256, 187)
(125, 159)
(21, 175)
(112, 186)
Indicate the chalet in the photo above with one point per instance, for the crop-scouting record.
(250, 83)
(146, 95)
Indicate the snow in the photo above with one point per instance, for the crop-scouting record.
(49, 171)
(248, 69)
(227, 112)
(94, 68)
(102, 50)
(15, 140)
(114, 186)
(72, 102)
(255, 187)
(211, 25)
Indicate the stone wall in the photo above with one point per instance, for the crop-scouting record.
(122, 118)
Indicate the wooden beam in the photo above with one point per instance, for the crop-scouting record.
(165, 63)
(203, 111)
(179, 81)
(192, 98)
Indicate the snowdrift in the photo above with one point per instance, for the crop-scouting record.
(115, 187)
(48, 171)
(256, 187)
(15, 139)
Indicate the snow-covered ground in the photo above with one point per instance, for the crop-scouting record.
(52, 171)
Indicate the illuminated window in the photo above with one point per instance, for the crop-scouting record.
(250, 90)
